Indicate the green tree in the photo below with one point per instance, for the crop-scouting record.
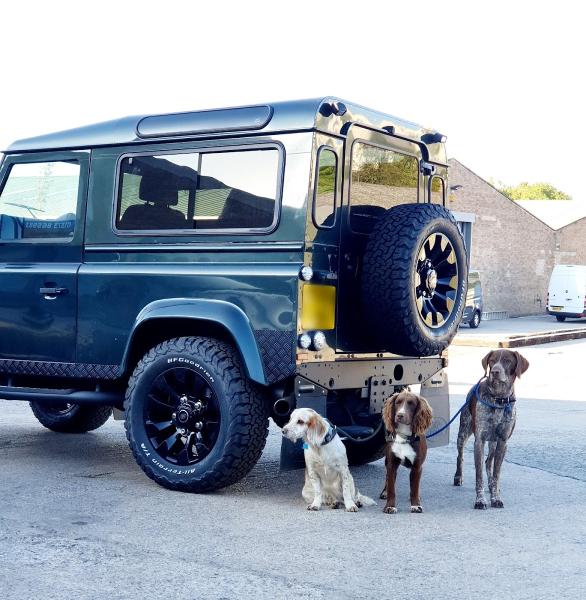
(533, 191)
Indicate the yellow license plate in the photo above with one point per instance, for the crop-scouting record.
(555, 308)
(318, 307)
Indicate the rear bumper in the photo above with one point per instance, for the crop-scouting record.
(570, 315)
(376, 378)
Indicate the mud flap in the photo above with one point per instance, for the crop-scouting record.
(436, 391)
(307, 395)
(292, 455)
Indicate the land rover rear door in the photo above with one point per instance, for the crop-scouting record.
(380, 171)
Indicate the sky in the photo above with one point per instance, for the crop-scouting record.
(503, 80)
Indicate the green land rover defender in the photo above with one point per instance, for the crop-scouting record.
(201, 272)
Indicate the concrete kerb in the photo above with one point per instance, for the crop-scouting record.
(518, 341)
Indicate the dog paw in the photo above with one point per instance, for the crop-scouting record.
(458, 480)
(390, 510)
(313, 507)
(417, 509)
(497, 503)
(337, 505)
(481, 504)
(383, 495)
(352, 508)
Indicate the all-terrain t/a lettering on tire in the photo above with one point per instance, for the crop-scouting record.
(194, 422)
(414, 279)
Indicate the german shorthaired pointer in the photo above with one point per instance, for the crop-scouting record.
(406, 417)
(490, 415)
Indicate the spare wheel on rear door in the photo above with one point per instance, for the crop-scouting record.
(414, 278)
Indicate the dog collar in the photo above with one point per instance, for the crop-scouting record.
(330, 435)
(406, 440)
(499, 403)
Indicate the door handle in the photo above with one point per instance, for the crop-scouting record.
(51, 293)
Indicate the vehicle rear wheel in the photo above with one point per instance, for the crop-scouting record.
(361, 453)
(560, 319)
(475, 320)
(414, 279)
(194, 421)
(70, 418)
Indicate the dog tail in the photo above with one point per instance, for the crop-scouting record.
(364, 500)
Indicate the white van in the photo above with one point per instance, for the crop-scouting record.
(566, 296)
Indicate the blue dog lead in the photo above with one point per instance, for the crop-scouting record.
(507, 405)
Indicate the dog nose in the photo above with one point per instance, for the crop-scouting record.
(400, 417)
(496, 369)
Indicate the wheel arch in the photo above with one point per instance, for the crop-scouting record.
(164, 319)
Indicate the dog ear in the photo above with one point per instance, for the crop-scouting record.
(485, 361)
(522, 364)
(389, 413)
(423, 416)
(316, 430)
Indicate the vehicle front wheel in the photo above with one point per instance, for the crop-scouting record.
(475, 320)
(560, 319)
(194, 421)
(63, 417)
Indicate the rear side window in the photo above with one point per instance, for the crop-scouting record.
(199, 191)
(324, 199)
(39, 201)
(437, 190)
(381, 178)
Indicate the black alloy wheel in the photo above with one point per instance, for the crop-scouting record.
(182, 416)
(437, 283)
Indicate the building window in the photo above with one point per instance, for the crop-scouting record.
(466, 230)
(39, 201)
(197, 191)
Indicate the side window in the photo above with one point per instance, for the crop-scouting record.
(39, 200)
(235, 190)
(381, 179)
(324, 194)
(437, 190)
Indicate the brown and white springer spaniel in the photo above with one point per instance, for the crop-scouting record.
(407, 417)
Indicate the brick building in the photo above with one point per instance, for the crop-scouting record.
(513, 250)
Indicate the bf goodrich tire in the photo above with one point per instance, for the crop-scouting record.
(70, 418)
(414, 279)
(194, 422)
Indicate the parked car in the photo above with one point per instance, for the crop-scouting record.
(474, 302)
(566, 295)
(203, 271)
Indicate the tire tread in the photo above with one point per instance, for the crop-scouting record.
(248, 428)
